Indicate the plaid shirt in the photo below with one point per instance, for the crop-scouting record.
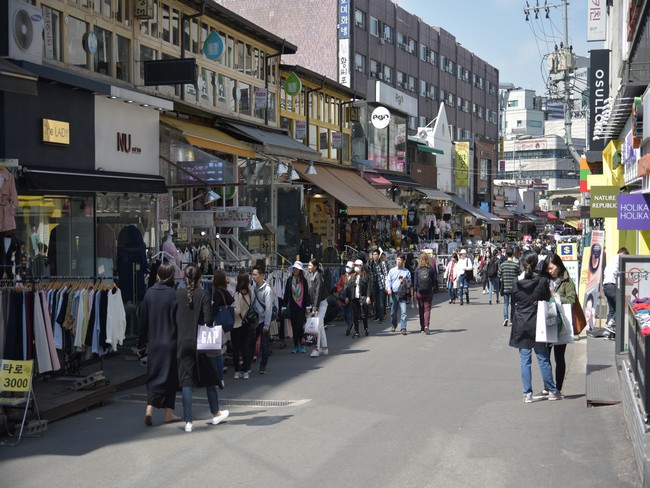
(379, 271)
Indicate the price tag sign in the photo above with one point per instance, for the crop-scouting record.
(15, 375)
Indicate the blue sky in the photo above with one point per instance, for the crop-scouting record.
(497, 32)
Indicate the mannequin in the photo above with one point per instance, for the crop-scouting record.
(170, 249)
(8, 205)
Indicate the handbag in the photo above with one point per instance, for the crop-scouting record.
(469, 274)
(578, 318)
(251, 317)
(225, 316)
(209, 339)
(546, 322)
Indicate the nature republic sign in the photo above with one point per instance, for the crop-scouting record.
(604, 201)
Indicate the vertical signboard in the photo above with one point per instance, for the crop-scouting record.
(596, 20)
(344, 42)
(462, 164)
(599, 90)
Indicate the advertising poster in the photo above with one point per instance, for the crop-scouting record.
(591, 275)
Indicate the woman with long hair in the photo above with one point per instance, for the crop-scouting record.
(529, 289)
(563, 288)
(158, 338)
(240, 334)
(318, 296)
(451, 279)
(423, 280)
(296, 299)
(195, 369)
(220, 297)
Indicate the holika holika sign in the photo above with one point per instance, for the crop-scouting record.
(634, 212)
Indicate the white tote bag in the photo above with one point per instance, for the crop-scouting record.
(546, 326)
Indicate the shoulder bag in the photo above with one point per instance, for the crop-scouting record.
(225, 316)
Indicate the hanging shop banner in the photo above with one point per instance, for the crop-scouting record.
(599, 90)
(634, 212)
(293, 85)
(234, 216)
(603, 201)
(596, 20)
(380, 118)
(462, 168)
(213, 46)
(344, 42)
(199, 218)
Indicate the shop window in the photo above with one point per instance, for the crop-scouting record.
(204, 35)
(240, 57)
(123, 13)
(76, 55)
(195, 36)
(273, 70)
(175, 27)
(313, 137)
(103, 56)
(248, 60)
(272, 108)
(244, 94)
(206, 86)
(123, 61)
(166, 24)
(225, 92)
(259, 112)
(255, 71)
(323, 141)
(146, 54)
(52, 37)
(230, 52)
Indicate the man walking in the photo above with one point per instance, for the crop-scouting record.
(508, 272)
(379, 272)
(398, 283)
(263, 303)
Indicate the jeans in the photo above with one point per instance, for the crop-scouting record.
(213, 400)
(218, 365)
(508, 300)
(610, 293)
(463, 286)
(396, 305)
(379, 301)
(493, 286)
(453, 292)
(264, 345)
(424, 310)
(542, 353)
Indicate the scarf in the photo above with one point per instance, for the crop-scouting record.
(297, 291)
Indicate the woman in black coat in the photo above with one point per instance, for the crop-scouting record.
(357, 293)
(220, 297)
(158, 337)
(526, 292)
(296, 299)
(195, 369)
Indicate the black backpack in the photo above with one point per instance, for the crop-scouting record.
(403, 292)
(425, 279)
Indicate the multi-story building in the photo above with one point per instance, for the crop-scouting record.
(390, 57)
(522, 114)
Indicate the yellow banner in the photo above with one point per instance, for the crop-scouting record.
(56, 131)
(462, 164)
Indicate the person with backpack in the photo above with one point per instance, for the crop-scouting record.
(398, 283)
(491, 272)
(423, 280)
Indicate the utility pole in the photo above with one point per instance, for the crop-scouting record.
(562, 60)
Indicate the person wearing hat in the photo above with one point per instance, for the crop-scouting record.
(357, 294)
(341, 286)
(463, 265)
(318, 296)
(379, 271)
(296, 299)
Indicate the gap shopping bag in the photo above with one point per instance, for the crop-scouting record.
(209, 339)
(546, 325)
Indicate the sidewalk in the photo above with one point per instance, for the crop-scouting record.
(472, 360)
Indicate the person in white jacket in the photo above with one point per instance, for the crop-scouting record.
(464, 264)
(451, 278)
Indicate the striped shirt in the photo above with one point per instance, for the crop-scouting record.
(508, 272)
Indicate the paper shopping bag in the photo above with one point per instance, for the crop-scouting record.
(311, 327)
(565, 334)
(546, 325)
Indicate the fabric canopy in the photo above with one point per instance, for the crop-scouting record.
(402, 180)
(575, 223)
(434, 194)
(429, 149)
(209, 137)
(66, 181)
(377, 180)
(17, 80)
(476, 212)
(346, 186)
(276, 144)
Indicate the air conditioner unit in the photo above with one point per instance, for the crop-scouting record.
(23, 26)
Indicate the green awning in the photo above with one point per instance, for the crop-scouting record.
(429, 149)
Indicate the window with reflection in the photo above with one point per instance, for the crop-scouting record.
(76, 55)
(102, 58)
(123, 60)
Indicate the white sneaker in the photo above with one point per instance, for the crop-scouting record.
(246, 376)
(528, 398)
(238, 375)
(555, 396)
(314, 353)
(484, 292)
(324, 351)
(189, 427)
(223, 415)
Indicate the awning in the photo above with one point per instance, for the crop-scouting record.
(377, 180)
(66, 181)
(503, 213)
(346, 186)
(476, 212)
(16, 79)
(546, 215)
(401, 180)
(429, 149)
(523, 219)
(434, 194)
(276, 144)
(575, 223)
(534, 218)
(209, 137)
